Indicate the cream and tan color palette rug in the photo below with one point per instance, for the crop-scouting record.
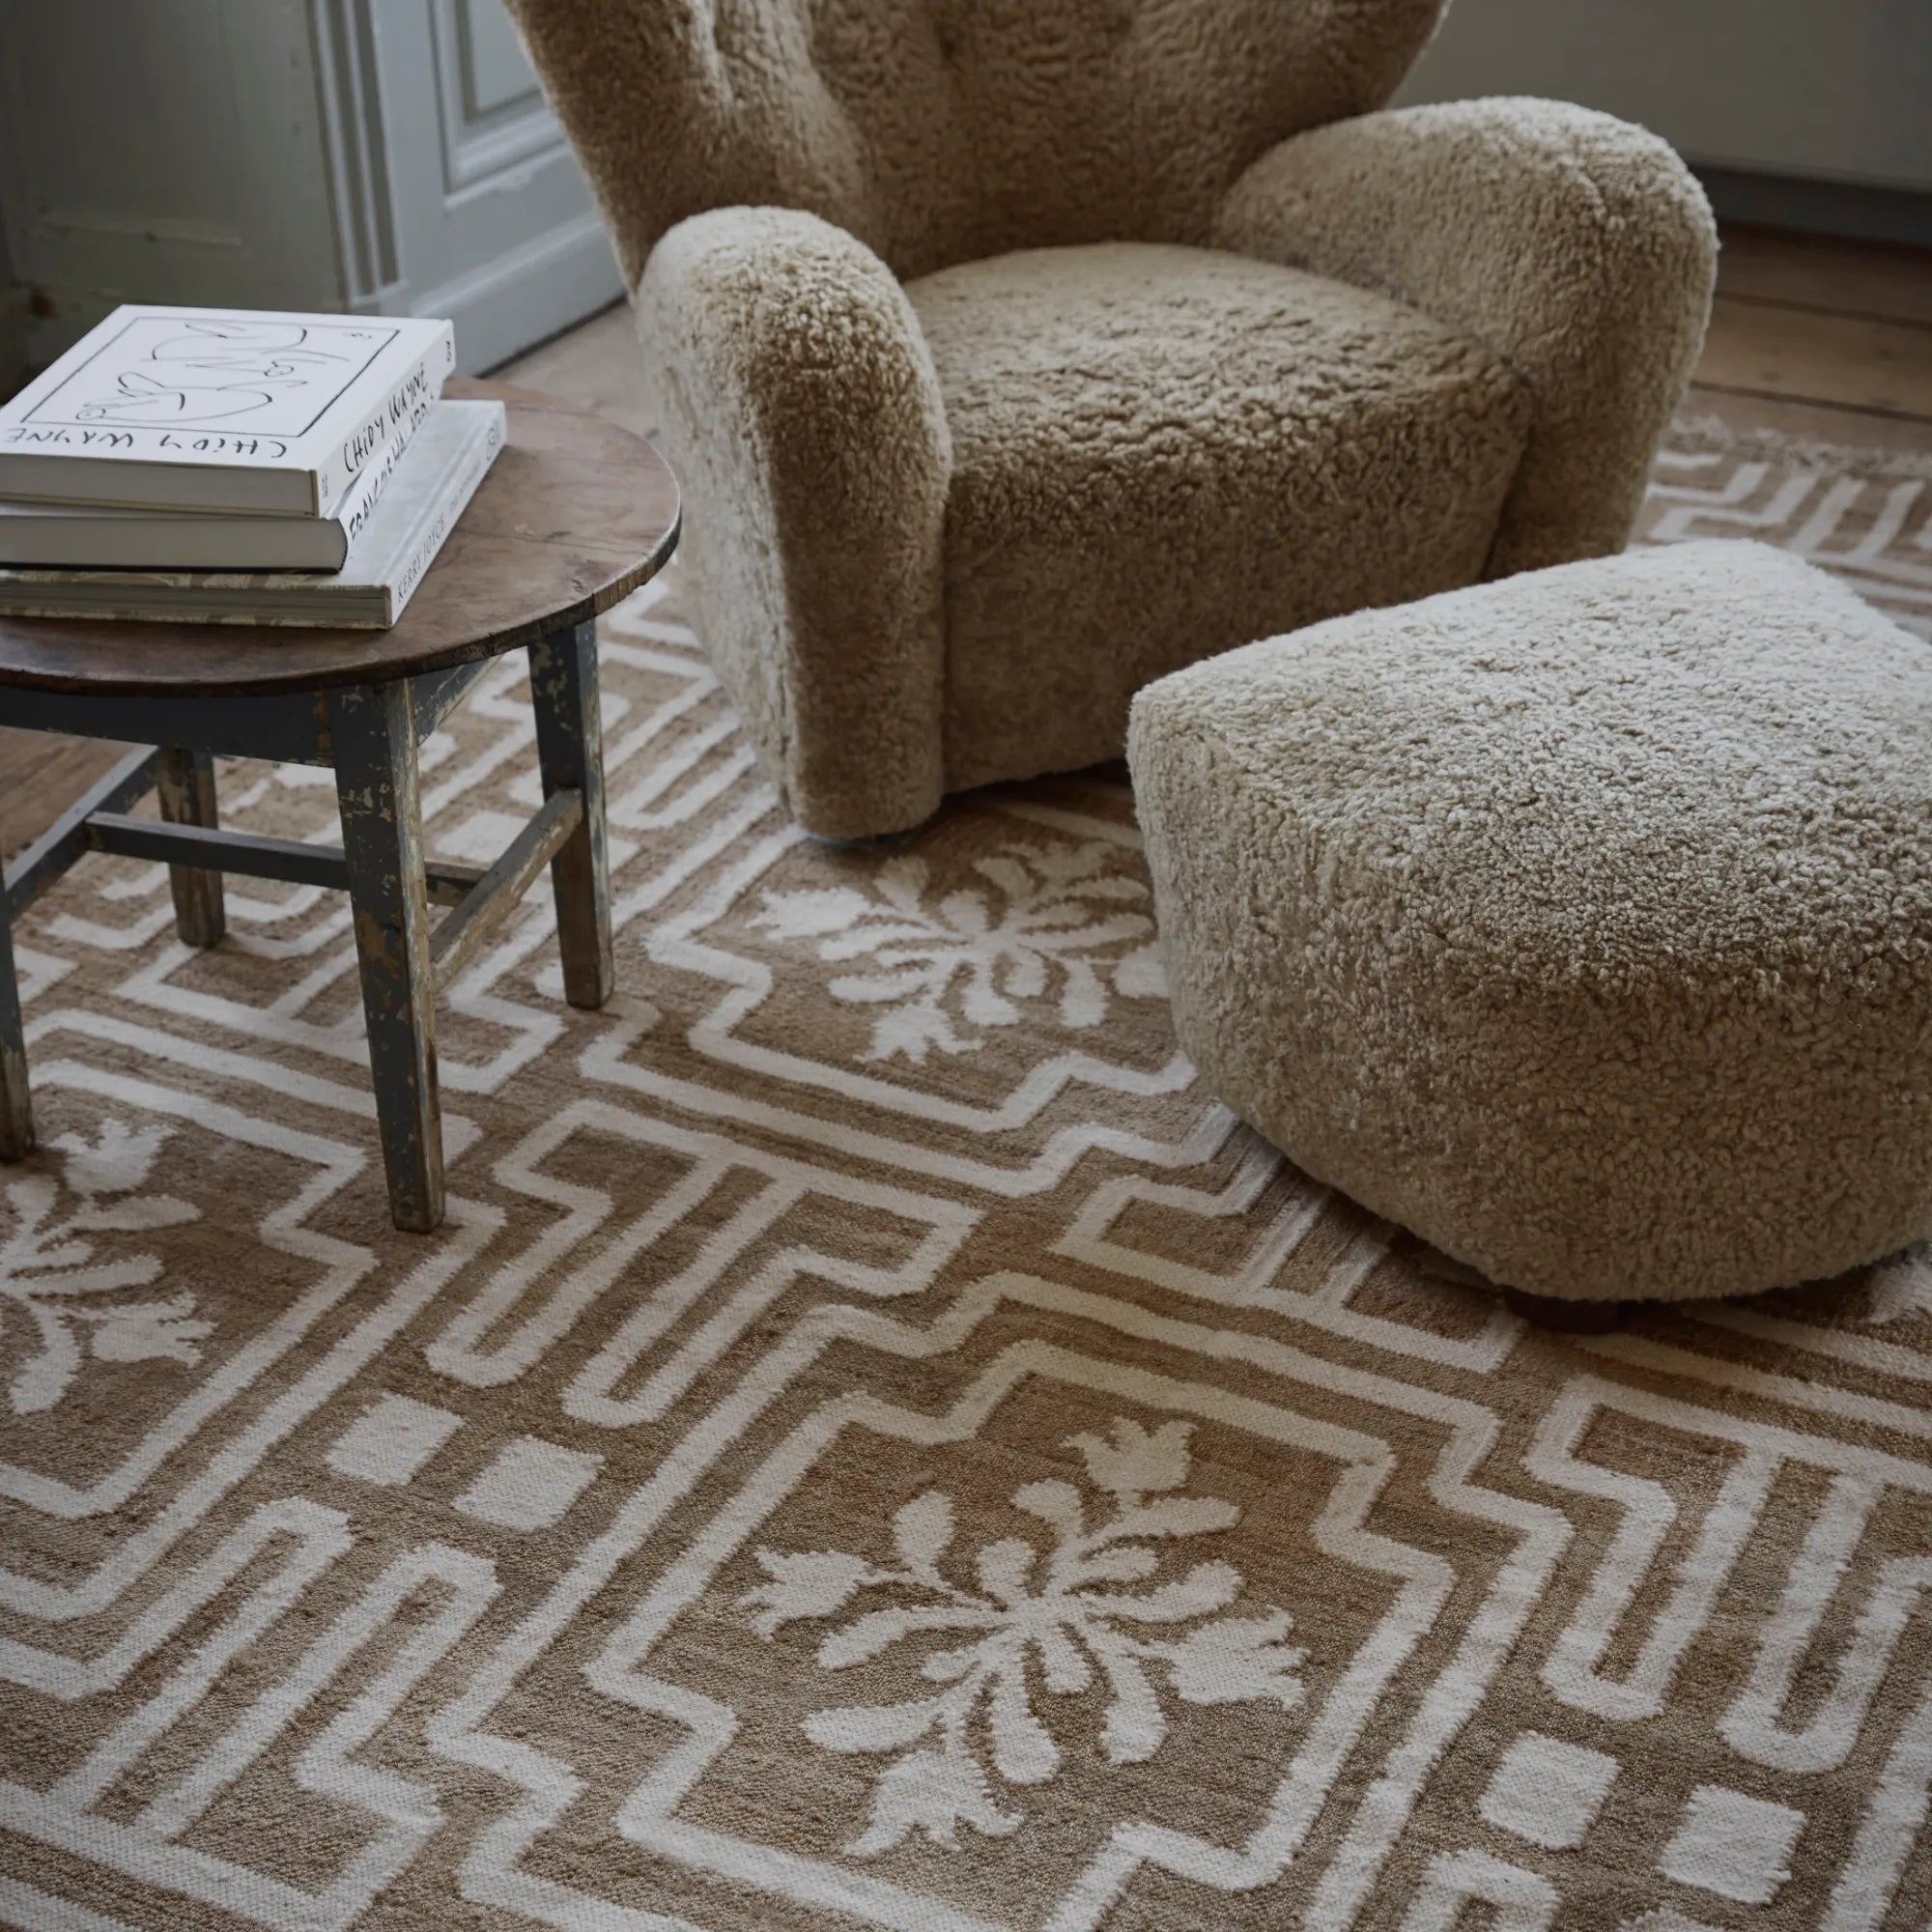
(875, 1444)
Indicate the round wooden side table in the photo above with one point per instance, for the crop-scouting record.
(574, 515)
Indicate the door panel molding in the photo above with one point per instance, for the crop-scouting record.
(490, 126)
(349, 76)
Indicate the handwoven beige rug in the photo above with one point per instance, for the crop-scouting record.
(875, 1444)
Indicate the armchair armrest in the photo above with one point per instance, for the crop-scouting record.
(799, 405)
(1578, 249)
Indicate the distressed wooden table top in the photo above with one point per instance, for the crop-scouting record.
(574, 515)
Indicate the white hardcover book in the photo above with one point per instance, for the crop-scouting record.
(434, 478)
(249, 412)
(80, 536)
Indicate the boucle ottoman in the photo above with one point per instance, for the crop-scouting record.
(1581, 923)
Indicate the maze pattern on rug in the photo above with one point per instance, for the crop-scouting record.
(876, 1444)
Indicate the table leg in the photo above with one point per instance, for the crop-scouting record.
(16, 1114)
(372, 730)
(184, 782)
(570, 753)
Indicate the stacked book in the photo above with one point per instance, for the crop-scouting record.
(231, 466)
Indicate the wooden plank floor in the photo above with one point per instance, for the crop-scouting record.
(1809, 336)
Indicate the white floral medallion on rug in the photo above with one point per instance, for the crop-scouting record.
(875, 1444)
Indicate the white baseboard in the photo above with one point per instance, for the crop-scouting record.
(1852, 210)
(527, 296)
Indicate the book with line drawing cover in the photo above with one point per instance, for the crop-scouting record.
(246, 411)
(94, 536)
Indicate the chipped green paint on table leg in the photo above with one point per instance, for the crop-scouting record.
(584, 514)
(372, 732)
(16, 1114)
(184, 782)
(23, 880)
(570, 751)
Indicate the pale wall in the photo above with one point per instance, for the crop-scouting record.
(1834, 88)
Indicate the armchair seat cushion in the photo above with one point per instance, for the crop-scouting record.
(1159, 452)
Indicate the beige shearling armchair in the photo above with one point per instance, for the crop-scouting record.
(1014, 353)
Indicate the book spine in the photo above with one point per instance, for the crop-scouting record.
(362, 495)
(400, 412)
(302, 598)
(462, 485)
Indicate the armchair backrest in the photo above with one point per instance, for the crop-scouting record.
(937, 130)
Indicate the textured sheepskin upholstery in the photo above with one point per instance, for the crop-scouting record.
(1310, 355)
(1581, 924)
(1161, 452)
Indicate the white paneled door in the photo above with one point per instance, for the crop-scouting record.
(463, 194)
(368, 154)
